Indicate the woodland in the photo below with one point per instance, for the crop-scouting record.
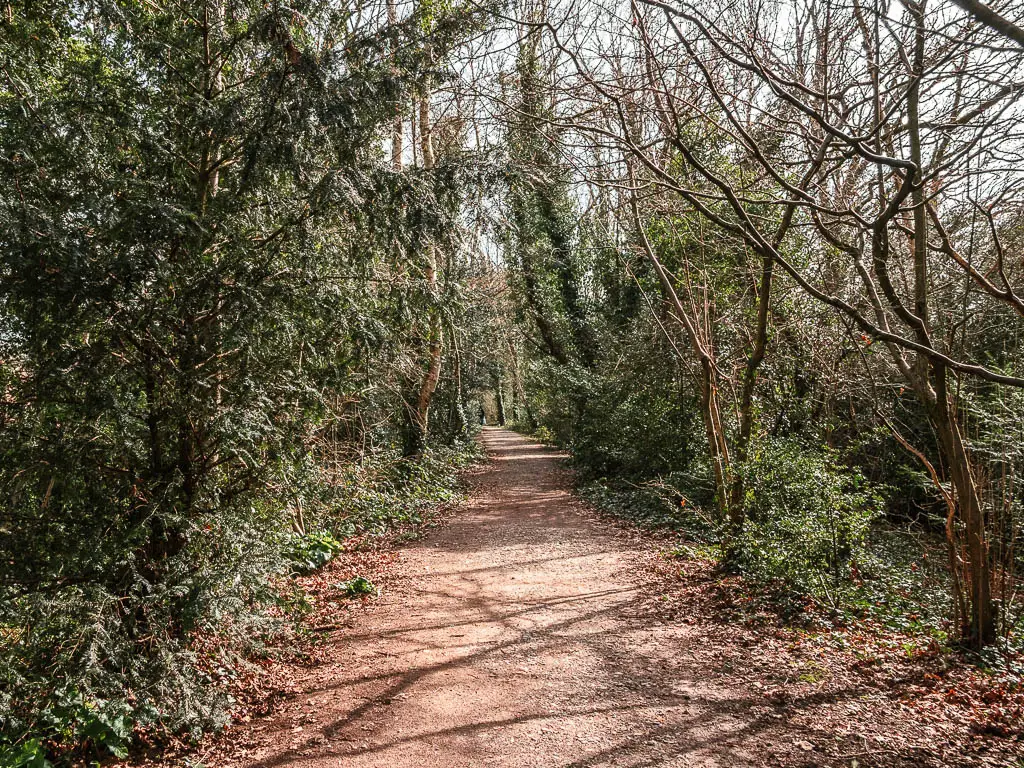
(266, 267)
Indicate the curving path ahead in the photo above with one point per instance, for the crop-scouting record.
(511, 638)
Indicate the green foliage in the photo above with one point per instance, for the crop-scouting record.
(309, 551)
(544, 435)
(196, 311)
(387, 492)
(662, 503)
(807, 519)
(548, 269)
(902, 581)
(100, 727)
(105, 726)
(357, 587)
(28, 754)
(634, 432)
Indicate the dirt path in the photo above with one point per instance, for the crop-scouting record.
(511, 638)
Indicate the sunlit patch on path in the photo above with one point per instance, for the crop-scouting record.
(511, 639)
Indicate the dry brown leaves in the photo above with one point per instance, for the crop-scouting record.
(864, 694)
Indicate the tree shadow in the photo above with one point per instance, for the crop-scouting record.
(647, 711)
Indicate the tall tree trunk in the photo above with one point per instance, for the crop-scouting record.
(979, 626)
(736, 497)
(459, 424)
(418, 411)
(552, 345)
(499, 394)
(397, 129)
(518, 395)
(718, 447)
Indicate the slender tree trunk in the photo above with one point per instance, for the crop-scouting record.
(518, 395)
(499, 394)
(737, 492)
(460, 425)
(979, 627)
(418, 412)
(547, 331)
(397, 128)
(715, 434)
(718, 447)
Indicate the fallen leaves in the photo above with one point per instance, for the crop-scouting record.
(867, 693)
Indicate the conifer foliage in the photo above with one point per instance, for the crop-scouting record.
(755, 265)
(193, 213)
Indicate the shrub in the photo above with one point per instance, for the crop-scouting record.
(309, 551)
(385, 492)
(544, 435)
(27, 754)
(217, 603)
(97, 726)
(807, 519)
(357, 587)
(677, 501)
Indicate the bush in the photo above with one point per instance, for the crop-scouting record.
(634, 432)
(27, 754)
(544, 435)
(71, 650)
(309, 551)
(385, 492)
(357, 587)
(631, 416)
(97, 726)
(217, 603)
(807, 519)
(677, 501)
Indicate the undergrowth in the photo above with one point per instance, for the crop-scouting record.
(822, 539)
(893, 577)
(184, 687)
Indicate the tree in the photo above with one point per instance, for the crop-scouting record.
(192, 190)
(853, 149)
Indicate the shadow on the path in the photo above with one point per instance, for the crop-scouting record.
(669, 713)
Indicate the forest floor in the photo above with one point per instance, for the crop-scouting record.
(528, 630)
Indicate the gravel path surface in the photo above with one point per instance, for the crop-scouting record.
(510, 637)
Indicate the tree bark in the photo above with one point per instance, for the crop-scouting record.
(397, 129)
(979, 627)
(418, 412)
(499, 394)
(718, 448)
